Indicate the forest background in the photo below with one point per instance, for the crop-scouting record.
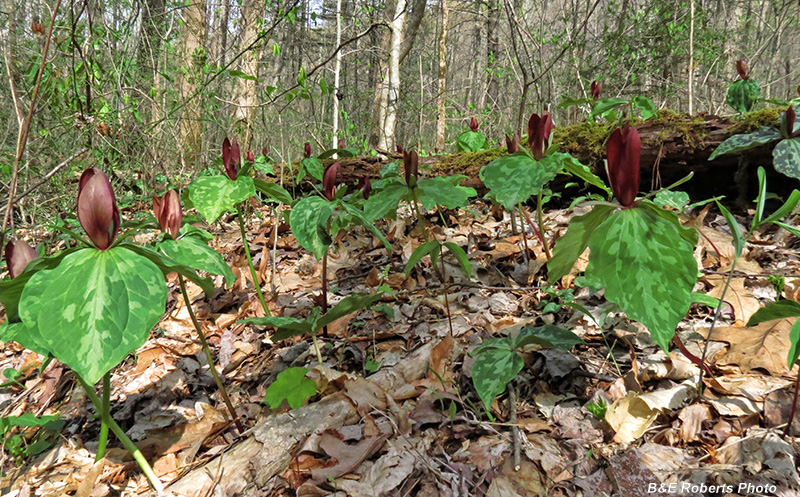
(147, 89)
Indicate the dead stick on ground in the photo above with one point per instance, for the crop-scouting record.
(512, 409)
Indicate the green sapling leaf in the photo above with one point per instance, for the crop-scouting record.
(292, 386)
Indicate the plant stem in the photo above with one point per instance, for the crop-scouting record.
(788, 428)
(420, 219)
(316, 348)
(512, 418)
(250, 262)
(535, 230)
(239, 426)
(540, 219)
(524, 235)
(132, 448)
(446, 291)
(106, 407)
(325, 291)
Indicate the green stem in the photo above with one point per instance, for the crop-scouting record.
(325, 291)
(132, 448)
(540, 219)
(250, 262)
(239, 426)
(420, 219)
(446, 290)
(103, 441)
(524, 235)
(316, 348)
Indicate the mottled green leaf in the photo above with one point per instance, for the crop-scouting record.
(193, 252)
(470, 141)
(420, 252)
(95, 308)
(786, 157)
(167, 266)
(214, 195)
(549, 336)
(304, 221)
(386, 201)
(514, 178)
(570, 246)
(313, 166)
(745, 141)
(27, 336)
(645, 267)
(743, 93)
(576, 168)
(669, 198)
(273, 191)
(492, 370)
(11, 289)
(445, 191)
(292, 386)
(361, 218)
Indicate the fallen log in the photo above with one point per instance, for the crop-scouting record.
(266, 449)
(673, 145)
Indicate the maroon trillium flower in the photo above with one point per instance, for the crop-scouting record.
(18, 254)
(411, 167)
(539, 129)
(624, 147)
(231, 157)
(341, 144)
(400, 148)
(741, 68)
(329, 180)
(512, 143)
(251, 156)
(263, 150)
(307, 149)
(596, 89)
(97, 208)
(473, 125)
(787, 126)
(167, 210)
(365, 185)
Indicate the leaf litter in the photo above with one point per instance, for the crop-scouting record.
(428, 435)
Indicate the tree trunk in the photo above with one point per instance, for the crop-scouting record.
(387, 136)
(337, 70)
(245, 92)
(441, 99)
(193, 36)
(492, 52)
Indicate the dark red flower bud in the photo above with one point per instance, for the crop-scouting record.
(167, 210)
(473, 125)
(18, 254)
(411, 167)
(365, 185)
(512, 143)
(307, 149)
(264, 151)
(539, 129)
(798, 90)
(624, 147)
(251, 156)
(97, 208)
(741, 68)
(399, 149)
(596, 89)
(231, 157)
(787, 125)
(329, 180)
(341, 143)
(435, 150)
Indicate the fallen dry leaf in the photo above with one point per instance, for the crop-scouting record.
(348, 457)
(765, 346)
(629, 418)
(741, 299)
(692, 417)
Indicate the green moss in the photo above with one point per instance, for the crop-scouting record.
(586, 139)
(469, 163)
(751, 121)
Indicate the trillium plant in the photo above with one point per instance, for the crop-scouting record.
(315, 220)
(91, 305)
(514, 178)
(745, 91)
(785, 155)
(212, 196)
(638, 252)
(189, 248)
(608, 108)
(472, 140)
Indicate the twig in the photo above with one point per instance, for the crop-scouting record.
(512, 408)
(47, 176)
(24, 130)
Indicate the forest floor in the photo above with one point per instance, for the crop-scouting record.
(428, 435)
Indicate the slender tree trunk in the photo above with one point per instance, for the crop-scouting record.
(492, 52)
(441, 99)
(193, 36)
(337, 70)
(245, 92)
(387, 136)
(691, 58)
(223, 30)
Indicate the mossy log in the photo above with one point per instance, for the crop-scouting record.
(673, 145)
